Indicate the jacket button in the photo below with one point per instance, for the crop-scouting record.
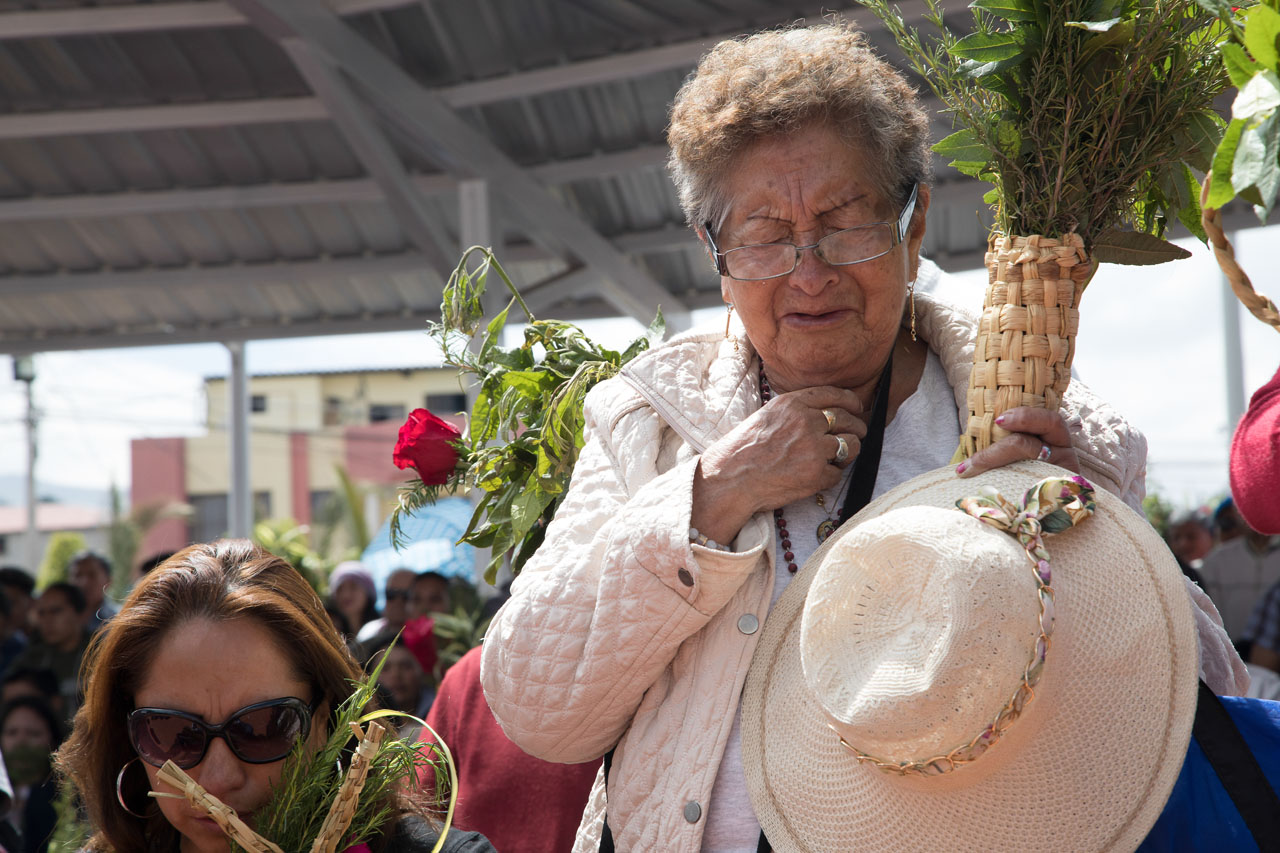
(748, 623)
(687, 580)
(692, 811)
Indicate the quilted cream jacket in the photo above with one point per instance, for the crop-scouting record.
(621, 633)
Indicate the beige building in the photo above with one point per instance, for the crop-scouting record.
(303, 427)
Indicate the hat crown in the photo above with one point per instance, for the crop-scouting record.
(918, 629)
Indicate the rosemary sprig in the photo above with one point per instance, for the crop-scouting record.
(1086, 115)
(309, 782)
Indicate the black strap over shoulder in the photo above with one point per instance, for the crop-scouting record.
(1237, 768)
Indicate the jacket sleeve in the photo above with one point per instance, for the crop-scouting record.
(599, 612)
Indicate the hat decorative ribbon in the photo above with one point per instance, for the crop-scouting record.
(1052, 505)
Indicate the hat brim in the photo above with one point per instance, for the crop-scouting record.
(1089, 765)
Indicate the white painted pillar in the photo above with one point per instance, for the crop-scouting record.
(1233, 350)
(240, 495)
(24, 370)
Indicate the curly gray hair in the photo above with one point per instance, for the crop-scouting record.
(773, 82)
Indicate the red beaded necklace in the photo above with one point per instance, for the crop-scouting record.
(766, 394)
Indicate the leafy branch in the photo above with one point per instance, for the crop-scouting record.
(1085, 115)
(525, 426)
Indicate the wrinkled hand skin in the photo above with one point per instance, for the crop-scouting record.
(783, 452)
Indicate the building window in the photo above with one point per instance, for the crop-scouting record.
(332, 411)
(258, 403)
(379, 412)
(208, 517)
(446, 404)
(324, 509)
(261, 506)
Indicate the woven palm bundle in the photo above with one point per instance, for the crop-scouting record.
(1026, 337)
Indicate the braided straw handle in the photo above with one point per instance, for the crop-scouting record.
(1026, 337)
(1259, 306)
(344, 805)
(222, 814)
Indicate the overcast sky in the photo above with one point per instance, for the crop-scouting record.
(1150, 342)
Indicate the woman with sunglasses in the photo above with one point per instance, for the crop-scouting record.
(718, 462)
(220, 661)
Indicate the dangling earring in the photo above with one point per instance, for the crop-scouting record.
(120, 789)
(728, 318)
(911, 295)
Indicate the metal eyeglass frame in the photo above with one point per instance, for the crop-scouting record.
(219, 730)
(899, 227)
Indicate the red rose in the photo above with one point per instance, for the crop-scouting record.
(426, 444)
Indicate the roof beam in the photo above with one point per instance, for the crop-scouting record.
(430, 124)
(145, 17)
(375, 153)
(164, 117)
(345, 191)
(110, 337)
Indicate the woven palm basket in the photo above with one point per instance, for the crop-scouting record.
(1026, 337)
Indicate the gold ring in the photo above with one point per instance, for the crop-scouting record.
(842, 451)
(831, 419)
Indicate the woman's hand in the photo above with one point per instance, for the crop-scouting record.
(1037, 434)
(784, 452)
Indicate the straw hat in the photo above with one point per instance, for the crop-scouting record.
(978, 709)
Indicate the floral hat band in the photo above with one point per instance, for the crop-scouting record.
(1051, 505)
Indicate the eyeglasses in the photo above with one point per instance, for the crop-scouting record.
(761, 261)
(394, 594)
(256, 734)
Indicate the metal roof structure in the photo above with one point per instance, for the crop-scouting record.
(180, 171)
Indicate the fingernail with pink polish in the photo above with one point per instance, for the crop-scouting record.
(1000, 419)
(960, 469)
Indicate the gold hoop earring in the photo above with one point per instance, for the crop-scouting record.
(120, 789)
(911, 295)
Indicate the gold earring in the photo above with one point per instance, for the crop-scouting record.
(728, 318)
(911, 294)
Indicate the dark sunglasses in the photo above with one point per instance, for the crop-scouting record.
(256, 734)
(393, 594)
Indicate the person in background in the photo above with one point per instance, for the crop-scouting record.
(91, 572)
(1238, 573)
(29, 735)
(40, 683)
(18, 586)
(1227, 521)
(352, 592)
(405, 680)
(146, 566)
(1255, 460)
(399, 586)
(1190, 539)
(430, 594)
(12, 640)
(62, 640)
(517, 801)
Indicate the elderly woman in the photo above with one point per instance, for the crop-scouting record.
(220, 660)
(717, 463)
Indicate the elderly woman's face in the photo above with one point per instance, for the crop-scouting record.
(212, 670)
(822, 324)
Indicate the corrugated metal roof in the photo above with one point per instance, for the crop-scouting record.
(173, 172)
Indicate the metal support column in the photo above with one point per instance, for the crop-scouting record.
(240, 495)
(1233, 350)
(24, 370)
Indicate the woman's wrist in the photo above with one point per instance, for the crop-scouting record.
(719, 508)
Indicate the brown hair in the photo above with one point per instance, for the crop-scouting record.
(224, 580)
(778, 81)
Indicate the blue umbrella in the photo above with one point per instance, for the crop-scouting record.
(428, 537)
